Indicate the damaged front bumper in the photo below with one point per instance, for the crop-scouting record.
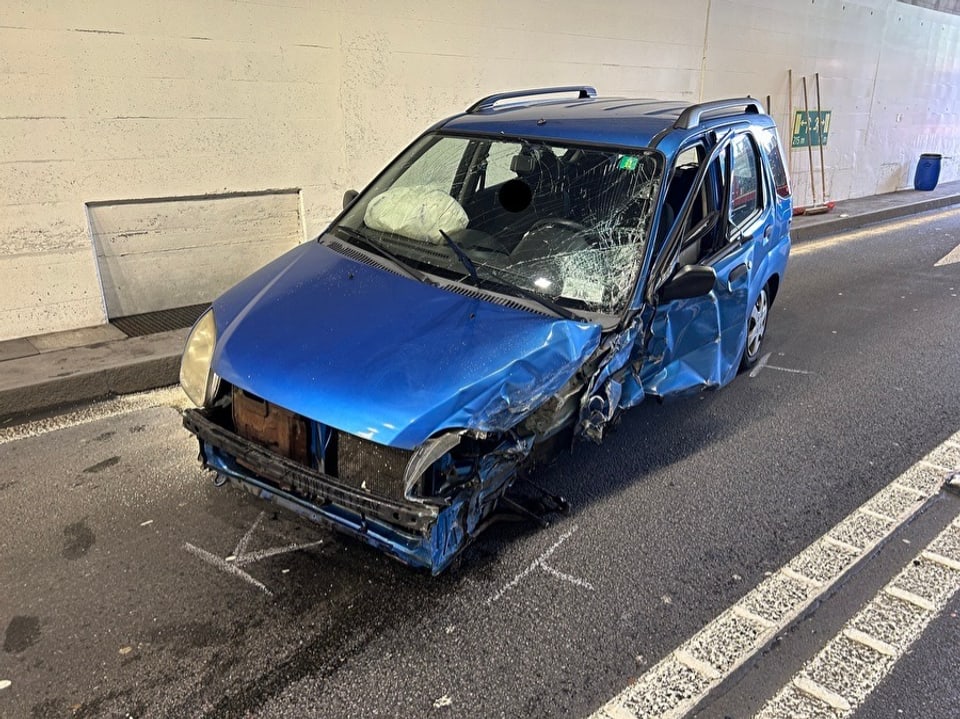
(418, 534)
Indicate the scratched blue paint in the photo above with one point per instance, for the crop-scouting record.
(386, 358)
(381, 356)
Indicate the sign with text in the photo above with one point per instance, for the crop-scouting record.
(809, 128)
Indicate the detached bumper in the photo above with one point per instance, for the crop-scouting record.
(420, 535)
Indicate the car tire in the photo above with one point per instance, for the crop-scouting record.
(756, 329)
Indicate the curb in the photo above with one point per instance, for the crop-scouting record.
(35, 385)
(836, 225)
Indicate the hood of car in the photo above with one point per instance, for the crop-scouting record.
(385, 357)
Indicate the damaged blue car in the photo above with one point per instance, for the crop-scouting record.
(521, 274)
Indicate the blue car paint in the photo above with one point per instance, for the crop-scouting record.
(698, 343)
(434, 551)
(384, 357)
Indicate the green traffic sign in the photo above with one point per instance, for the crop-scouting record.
(810, 129)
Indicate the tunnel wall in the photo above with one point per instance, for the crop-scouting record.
(287, 103)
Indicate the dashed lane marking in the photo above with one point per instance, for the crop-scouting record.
(851, 665)
(677, 683)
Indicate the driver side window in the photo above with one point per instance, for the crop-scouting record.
(702, 230)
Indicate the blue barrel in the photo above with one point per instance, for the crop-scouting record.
(928, 172)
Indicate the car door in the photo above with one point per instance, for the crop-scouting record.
(697, 342)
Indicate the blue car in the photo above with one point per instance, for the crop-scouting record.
(521, 274)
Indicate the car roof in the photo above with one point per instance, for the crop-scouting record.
(621, 122)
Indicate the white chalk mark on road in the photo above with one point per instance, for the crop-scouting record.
(764, 363)
(241, 557)
(225, 566)
(540, 563)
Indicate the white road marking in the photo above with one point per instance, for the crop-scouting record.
(764, 363)
(910, 598)
(676, 684)
(540, 563)
(225, 566)
(851, 665)
(165, 397)
(865, 639)
(950, 258)
(817, 691)
(880, 229)
(241, 557)
(940, 559)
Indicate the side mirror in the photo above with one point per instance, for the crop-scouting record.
(348, 197)
(688, 282)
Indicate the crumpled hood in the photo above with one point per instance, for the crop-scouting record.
(387, 358)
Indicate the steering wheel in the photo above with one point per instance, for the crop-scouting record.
(476, 241)
(559, 221)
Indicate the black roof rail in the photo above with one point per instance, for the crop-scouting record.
(583, 92)
(690, 117)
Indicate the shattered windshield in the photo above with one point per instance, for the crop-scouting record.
(561, 222)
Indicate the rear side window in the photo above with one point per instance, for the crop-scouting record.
(771, 148)
(745, 193)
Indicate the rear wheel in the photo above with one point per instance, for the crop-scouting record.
(756, 329)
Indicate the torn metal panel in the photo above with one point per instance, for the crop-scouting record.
(388, 359)
(484, 298)
(615, 386)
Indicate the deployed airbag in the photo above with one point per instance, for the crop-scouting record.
(418, 212)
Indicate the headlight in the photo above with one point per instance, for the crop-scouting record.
(425, 455)
(198, 382)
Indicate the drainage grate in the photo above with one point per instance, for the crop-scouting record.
(150, 323)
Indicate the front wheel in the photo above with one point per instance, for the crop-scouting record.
(756, 328)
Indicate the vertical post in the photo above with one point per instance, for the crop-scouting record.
(806, 110)
(823, 170)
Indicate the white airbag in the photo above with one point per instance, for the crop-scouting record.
(418, 212)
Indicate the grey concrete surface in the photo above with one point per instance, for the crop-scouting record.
(76, 338)
(72, 374)
(47, 380)
(106, 611)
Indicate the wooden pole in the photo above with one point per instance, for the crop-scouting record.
(806, 110)
(823, 171)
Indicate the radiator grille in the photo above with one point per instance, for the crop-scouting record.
(371, 466)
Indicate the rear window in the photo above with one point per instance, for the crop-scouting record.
(771, 148)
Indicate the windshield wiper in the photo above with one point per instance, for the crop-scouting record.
(358, 237)
(462, 256)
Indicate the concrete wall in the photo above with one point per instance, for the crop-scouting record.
(108, 101)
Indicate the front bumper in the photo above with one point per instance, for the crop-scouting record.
(421, 535)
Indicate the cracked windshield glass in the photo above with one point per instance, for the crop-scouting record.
(560, 224)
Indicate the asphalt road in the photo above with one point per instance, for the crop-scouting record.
(117, 596)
